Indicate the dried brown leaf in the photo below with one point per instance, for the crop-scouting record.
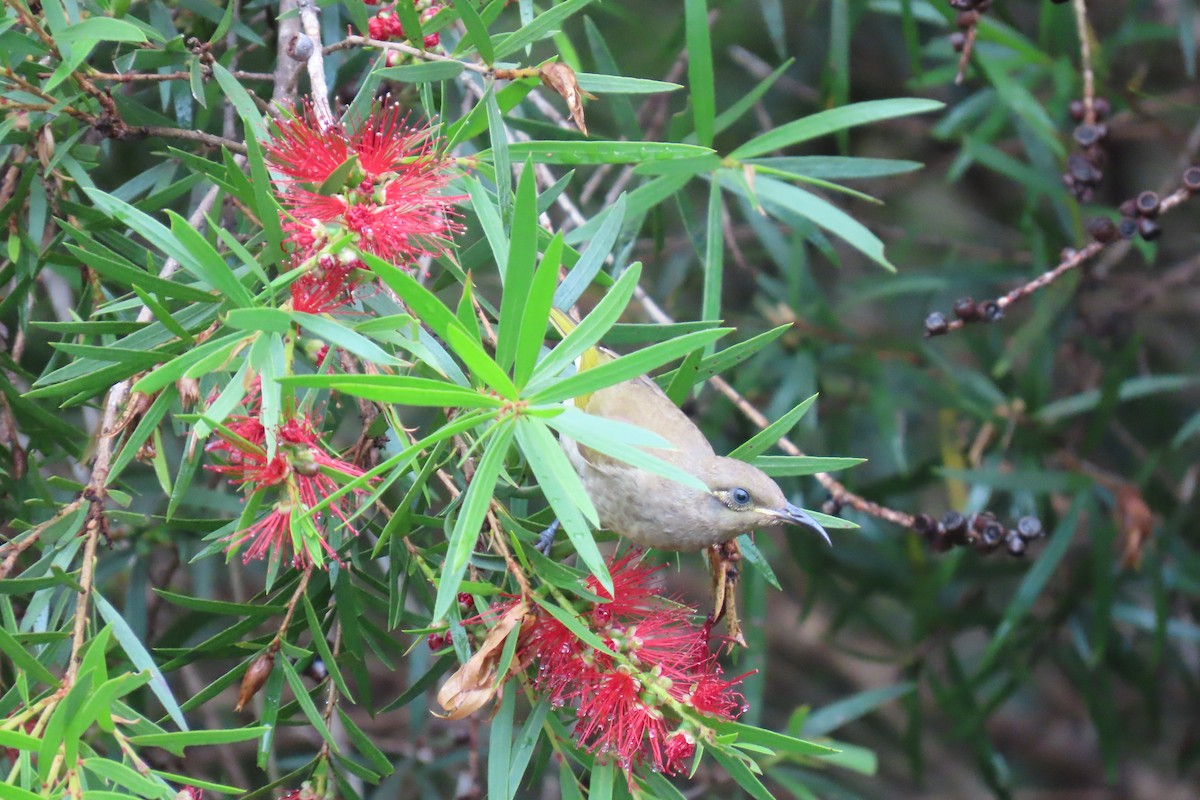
(475, 683)
(561, 79)
(1135, 520)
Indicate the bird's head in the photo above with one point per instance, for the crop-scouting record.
(744, 498)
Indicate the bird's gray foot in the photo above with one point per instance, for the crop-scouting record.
(545, 539)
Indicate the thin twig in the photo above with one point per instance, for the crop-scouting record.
(287, 68)
(316, 64)
(1085, 61)
(401, 47)
(1073, 261)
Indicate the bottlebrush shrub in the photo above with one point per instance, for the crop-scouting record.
(280, 406)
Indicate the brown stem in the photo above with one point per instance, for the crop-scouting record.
(1085, 61)
(401, 47)
(1073, 261)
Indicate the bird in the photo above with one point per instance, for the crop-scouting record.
(653, 510)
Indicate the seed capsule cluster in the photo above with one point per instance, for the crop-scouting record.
(1085, 168)
(982, 531)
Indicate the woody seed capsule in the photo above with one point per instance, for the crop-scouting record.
(1148, 228)
(1147, 204)
(1191, 179)
(1103, 230)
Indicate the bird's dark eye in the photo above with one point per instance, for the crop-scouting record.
(740, 497)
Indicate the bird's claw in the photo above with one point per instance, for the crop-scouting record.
(545, 539)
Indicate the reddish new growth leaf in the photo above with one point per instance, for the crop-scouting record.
(624, 705)
(301, 474)
(390, 195)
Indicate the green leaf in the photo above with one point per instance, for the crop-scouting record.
(562, 489)
(741, 774)
(176, 741)
(10, 791)
(831, 121)
(501, 157)
(126, 274)
(518, 274)
(221, 607)
(621, 441)
(626, 367)
(831, 717)
(424, 72)
(701, 83)
(404, 390)
(24, 660)
(420, 301)
(617, 84)
(126, 777)
(820, 211)
(714, 258)
(526, 741)
(592, 260)
(542, 26)
(785, 466)
(536, 313)
(481, 365)
(1132, 389)
(590, 329)
(140, 658)
(571, 620)
(340, 336)
(363, 744)
(94, 30)
(203, 357)
(1035, 581)
(772, 740)
(300, 691)
(471, 516)
(837, 167)
(236, 93)
(760, 442)
(500, 736)
(592, 152)
(20, 741)
(477, 32)
(209, 262)
(336, 182)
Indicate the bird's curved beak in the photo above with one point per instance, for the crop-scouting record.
(795, 515)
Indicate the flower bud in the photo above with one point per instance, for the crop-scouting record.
(256, 675)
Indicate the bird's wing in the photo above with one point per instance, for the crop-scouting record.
(640, 402)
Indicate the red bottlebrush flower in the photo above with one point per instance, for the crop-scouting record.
(680, 747)
(300, 469)
(628, 705)
(189, 793)
(615, 718)
(326, 287)
(391, 200)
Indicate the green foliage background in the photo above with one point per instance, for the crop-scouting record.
(949, 673)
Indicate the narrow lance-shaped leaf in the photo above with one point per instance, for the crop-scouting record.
(626, 367)
(591, 328)
(471, 517)
(537, 311)
(522, 255)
